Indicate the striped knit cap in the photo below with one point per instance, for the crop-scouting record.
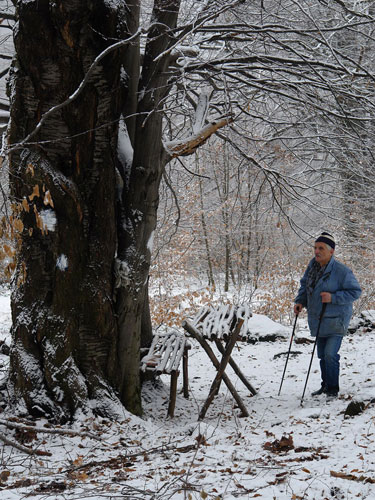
(326, 238)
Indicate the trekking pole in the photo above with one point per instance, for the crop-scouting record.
(312, 356)
(287, 358)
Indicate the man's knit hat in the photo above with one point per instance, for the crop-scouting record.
(326, 238)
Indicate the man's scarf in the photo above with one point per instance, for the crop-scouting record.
(315, 273)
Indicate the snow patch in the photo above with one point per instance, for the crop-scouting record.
(124, 147)
(123, 75)
(122, 273)
(113, 4)
(49, 219)
(62, 262)
(137, 216)
(259, 324)
(150, 243)
(201, 112)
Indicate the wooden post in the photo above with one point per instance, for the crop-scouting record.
(236, 369)
(223, 364)
(172, 393)
(185, 373)
(194, 333)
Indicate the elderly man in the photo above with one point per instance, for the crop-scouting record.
(327, 281)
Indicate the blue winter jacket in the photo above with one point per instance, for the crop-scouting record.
(341, 283)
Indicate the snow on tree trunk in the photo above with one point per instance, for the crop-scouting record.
(85, 196)
(63, 192)
(140, 201)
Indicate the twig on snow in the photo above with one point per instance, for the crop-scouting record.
(25, 449)
(46, 430)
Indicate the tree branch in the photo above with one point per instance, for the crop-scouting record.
(77, 92)
(188, 145)
(47, 430)
(25, 449)
(7, 16)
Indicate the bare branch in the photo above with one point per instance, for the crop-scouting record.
(77, 92)
(7, 16)
(22, 448)
(187, 146)
(47, 430)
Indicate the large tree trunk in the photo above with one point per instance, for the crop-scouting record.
(140, 200)
(85, 202)
(63, 190)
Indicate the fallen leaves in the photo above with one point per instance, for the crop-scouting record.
(4, 474)
(51, 487)
(286, 444)
(78, 476)
(24, 436)
(314, 454)
(201, 440)
(280, 446)
(280, 478)
(352, 477)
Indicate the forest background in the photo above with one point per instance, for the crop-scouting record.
(284, 91)
(287, 93)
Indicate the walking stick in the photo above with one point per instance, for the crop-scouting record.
(287, 358)
(312, 356)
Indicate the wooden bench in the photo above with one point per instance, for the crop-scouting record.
(164, 357)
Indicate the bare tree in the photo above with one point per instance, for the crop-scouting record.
(95, 88)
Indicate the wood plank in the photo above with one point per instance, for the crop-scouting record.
(180, 349)
(217, 322)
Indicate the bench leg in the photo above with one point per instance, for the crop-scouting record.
(219, 376)
(172, 394)
(194, 333)
(236, 369)
(185, 374)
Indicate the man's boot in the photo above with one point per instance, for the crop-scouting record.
(332, 392)
(320, 391)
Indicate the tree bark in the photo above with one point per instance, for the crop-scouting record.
(140, 200)
(63, 192)
(84, 201)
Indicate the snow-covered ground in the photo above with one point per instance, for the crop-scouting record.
(282, 451)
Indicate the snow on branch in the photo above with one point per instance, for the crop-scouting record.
(201, 112)
(202, 20)
(47, 430)
(187, 146)
(7, 16)
(34, 430)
